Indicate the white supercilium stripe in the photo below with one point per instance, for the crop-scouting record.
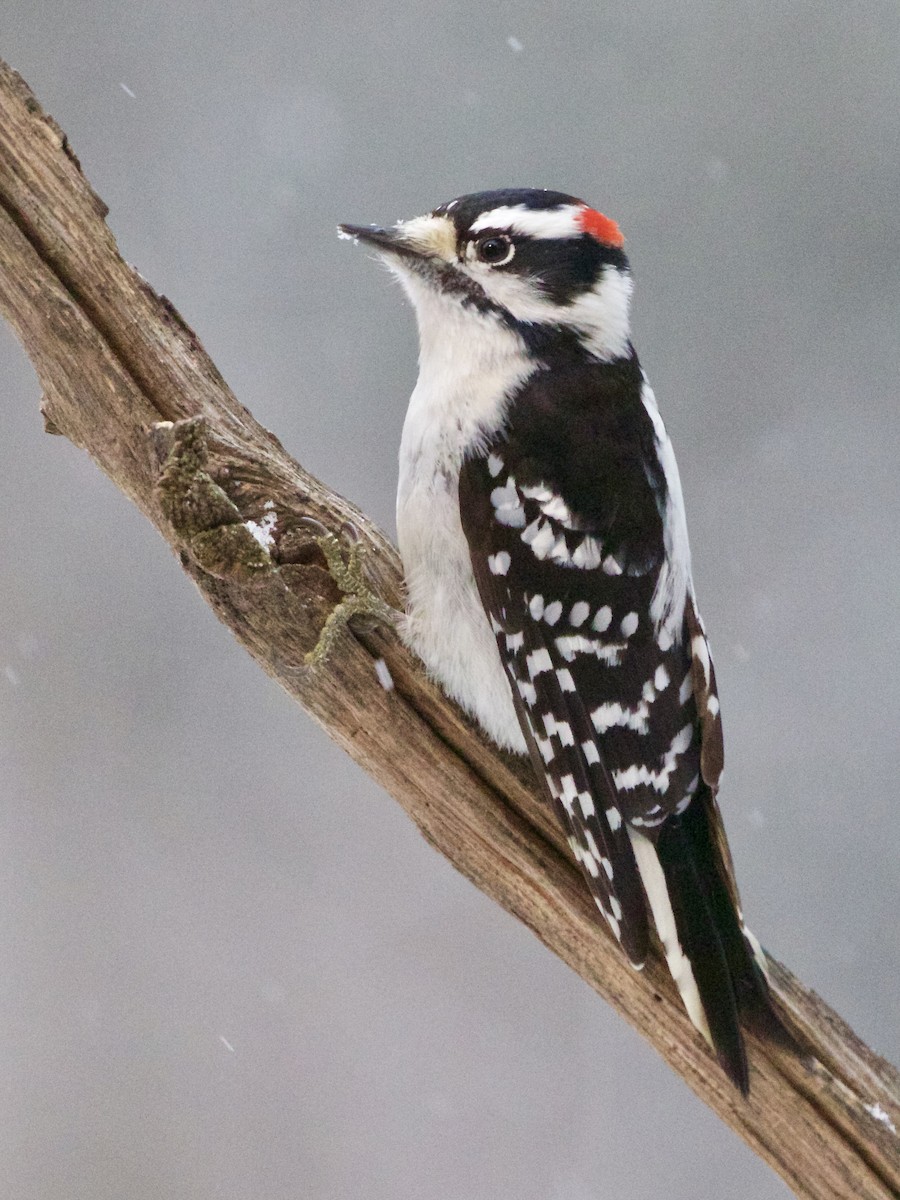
(559, 222)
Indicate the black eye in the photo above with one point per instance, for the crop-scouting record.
(495, 249)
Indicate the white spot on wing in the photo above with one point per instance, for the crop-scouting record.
(562, 729)
(560, 552)
(499, 563)
(512, 517)
(538, 661)
(565, 733)
(629, 624)
(590, 840)
(556, 508)
(602, 619)
(505, 494)
(611, 714)
(639, 774)
(576, 644)
(539, 492)
(587, 554)
(611, 920)
(508, 508)
(568, 791)
(591, 753)
(553, 612)
(579, 614)
(566, 682)
(544, 541)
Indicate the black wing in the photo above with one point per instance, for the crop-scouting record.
(570, 523)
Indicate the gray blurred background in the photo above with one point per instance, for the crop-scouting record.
(231, 967)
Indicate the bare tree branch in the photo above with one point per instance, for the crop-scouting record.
(127, 380)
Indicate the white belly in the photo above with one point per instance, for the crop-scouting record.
(446, 625)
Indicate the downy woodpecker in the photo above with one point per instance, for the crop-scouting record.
(543, 537)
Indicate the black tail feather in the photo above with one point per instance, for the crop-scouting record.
(756, 1008)
(750, 986)
(704, 941)
(731, 983)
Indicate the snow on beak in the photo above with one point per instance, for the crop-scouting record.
(422, 237)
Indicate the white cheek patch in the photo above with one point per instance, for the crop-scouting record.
(561, 222)
(600, 315)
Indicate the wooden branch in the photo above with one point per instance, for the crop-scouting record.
(117, 365)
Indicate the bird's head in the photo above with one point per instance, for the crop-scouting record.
(543, 263)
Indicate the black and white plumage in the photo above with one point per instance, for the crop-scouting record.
(542, 530)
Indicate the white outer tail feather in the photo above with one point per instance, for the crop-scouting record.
(679, 964)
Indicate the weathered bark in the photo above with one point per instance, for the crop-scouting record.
(116, 361)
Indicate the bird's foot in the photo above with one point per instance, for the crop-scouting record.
(359, 600)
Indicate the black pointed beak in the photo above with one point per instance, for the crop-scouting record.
(390, 240)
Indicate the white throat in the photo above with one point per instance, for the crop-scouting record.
(469, 365)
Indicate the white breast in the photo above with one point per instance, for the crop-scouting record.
(465, 377)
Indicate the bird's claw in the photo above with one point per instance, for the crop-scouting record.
(359, 600)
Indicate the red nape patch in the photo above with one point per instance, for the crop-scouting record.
(604, 229)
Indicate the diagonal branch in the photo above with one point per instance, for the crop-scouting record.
(126, 379)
